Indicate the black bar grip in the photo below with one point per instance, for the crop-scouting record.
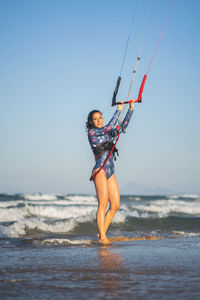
(125, 102)
(116, 91)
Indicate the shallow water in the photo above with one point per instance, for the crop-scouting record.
(151, 269)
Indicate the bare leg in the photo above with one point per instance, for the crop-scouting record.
(114, 198)
(101, 185)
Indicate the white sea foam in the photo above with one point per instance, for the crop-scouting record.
(137, 214)
(20, 228)
(77, 202)
(52, 212)
(49, 212)
(54, 198)
(190, 196)
(23, 225)
(11, 203)
(81, 198)
(12, 214)
(61, 202)
(173, 196)
(132, 212)
(40, 196)
(137, 198)
(193, 196)
(186, 234)
(65, 241)
(119, 218)
(133, 198)
(165, 207)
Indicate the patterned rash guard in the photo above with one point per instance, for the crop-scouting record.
(97, 136)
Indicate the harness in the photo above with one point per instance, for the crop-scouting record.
(100, 149)
(116, 135)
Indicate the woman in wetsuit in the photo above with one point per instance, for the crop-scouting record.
(100, 138)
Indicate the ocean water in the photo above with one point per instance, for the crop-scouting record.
(49, 248)
(58, 218)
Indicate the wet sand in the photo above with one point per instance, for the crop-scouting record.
(140, 269)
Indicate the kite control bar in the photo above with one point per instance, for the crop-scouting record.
(139, 99)
(126, 102)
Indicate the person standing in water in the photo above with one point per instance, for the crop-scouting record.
(101, 141)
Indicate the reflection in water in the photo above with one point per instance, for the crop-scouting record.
(111, 270)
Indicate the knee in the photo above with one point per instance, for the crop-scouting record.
(115, 206)
(103, 205)
(103, 201)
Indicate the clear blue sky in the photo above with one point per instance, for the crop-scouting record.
(60, 59)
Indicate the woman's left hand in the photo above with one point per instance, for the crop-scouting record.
(120, 106)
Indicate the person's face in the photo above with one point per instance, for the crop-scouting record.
(97, 120)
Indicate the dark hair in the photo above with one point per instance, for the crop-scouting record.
(89, 119)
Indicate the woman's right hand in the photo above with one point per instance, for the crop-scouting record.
(120, 106)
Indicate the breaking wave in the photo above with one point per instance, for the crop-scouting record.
(23, 215)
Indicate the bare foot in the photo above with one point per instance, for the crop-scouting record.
(98, 235)
(105, 241)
